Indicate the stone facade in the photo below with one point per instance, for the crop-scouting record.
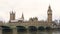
(32, 21)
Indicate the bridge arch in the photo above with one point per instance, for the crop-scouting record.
(48, 28)
(6, 30)
(32, 28)
(41, 28)
(21, 28)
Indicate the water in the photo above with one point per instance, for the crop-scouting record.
(35, 32)
(45, 32)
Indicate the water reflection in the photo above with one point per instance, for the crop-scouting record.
(41, 32)
(35, 32)
(56, 32)
(22, 32)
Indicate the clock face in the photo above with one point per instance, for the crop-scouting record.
(49, 12)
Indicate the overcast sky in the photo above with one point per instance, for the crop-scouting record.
(30, 8)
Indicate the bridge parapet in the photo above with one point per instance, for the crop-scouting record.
(36, 24)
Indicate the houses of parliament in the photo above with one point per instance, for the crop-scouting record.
(13, 24)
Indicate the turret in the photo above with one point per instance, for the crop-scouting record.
(12, 15)
(22, 17)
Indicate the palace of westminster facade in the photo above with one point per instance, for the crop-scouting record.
(32, 22)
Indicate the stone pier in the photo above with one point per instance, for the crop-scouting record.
(0, 30)
(14, 30)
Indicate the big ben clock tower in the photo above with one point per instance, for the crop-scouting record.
(49, 20)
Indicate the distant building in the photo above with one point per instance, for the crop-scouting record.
(59, 21)
(56, 21)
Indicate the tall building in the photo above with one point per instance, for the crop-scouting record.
(12, 16)
(49, 20)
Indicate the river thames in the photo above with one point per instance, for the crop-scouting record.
(41, 32)
(35, 32)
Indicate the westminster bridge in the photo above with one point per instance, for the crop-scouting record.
(17, 28)
(14, 28)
